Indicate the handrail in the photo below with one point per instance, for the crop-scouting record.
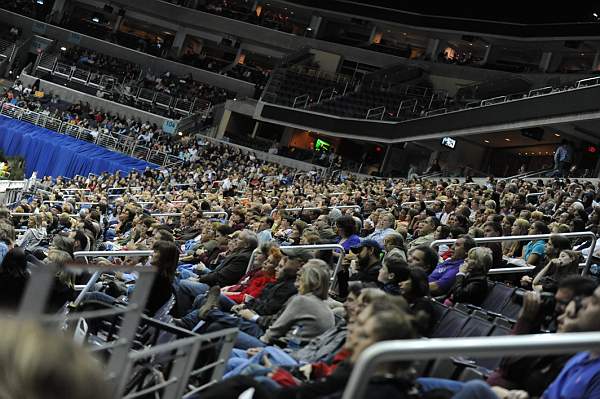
(533, 237)
(126, 254)
(316, 247)
(316, 208)
(76, 203)
(526, 174)
(23, 214)
(511, 270)
(404, 204)
(179, 214)
(420, 349)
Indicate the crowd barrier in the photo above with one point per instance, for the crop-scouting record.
(533, 237)
(440, 348)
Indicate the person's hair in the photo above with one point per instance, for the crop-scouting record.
(419, 285)
(37, 364)
(249, 238)
(315, 278)
(397, 266)
(469, 242)
(510, 218)
(495, 226)
(430, 256)
(560, 243)
(4, 213)
(168, 257)
(396, 240)
(7, 232)
(15, 263)
(82, 239)
(540, 227)
(224, 229)
(269, 221)
(164, 235)
(445, 231)
(346, 224)
(522, 224)
(392, 325)
(63, 243)
(462, 221)
(483, 258)
(580, 285)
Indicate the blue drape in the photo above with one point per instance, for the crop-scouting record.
(54, 154)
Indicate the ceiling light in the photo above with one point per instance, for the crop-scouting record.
(486, 141)
(63, 48)
(507, 139)
(557, 135)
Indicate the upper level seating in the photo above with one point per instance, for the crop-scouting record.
(298, 86)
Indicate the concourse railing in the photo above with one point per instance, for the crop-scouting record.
(526, 269)
(316, 247)
(316, 208)
(204, 214)
(440, 348)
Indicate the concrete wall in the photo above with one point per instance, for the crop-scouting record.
(328, 62)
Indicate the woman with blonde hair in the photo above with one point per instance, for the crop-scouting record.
(519, 228)
(306, 314)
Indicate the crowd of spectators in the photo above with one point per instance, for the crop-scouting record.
(307, 323)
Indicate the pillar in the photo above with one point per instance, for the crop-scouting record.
(545, 61)
(58, 10)
(222, 128)
(178, 42)
(432, 50)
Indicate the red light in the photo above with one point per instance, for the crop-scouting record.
(377, 149)
(591, 149)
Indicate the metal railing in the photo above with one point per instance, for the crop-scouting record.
(315, 208)
(533, 237)
(179, 214)
(440, 348)
(93, 136)
(316, 247)
(527, 174)
(376, 113)
(49, 63)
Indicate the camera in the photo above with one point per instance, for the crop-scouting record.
(547, 306)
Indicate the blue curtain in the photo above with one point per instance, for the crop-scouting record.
(54, 154)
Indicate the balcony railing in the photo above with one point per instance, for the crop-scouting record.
(112, 141)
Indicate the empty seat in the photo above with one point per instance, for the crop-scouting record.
(451, 324)
(498, 297)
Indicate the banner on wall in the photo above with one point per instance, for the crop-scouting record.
(169, 126)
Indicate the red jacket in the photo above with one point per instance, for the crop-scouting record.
(254, 287)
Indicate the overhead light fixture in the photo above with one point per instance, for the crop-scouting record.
(507, 139)
(63, 48)
(557, 135)
(595, 15)
(486, 141)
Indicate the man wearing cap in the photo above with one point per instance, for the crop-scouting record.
(365, 268)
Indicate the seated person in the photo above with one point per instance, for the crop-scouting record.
(443, 276)
(471, 280)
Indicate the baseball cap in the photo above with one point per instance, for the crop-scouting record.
(299, 253)
(366, 243)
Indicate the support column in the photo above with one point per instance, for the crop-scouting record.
(178, 42)
(386, 159)
(545, 61)
(315, 24)
(223, 124)
(433, 46)
(119, 21)
(486, 56)
(58, 10)
(255, 129)
(596, 63)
